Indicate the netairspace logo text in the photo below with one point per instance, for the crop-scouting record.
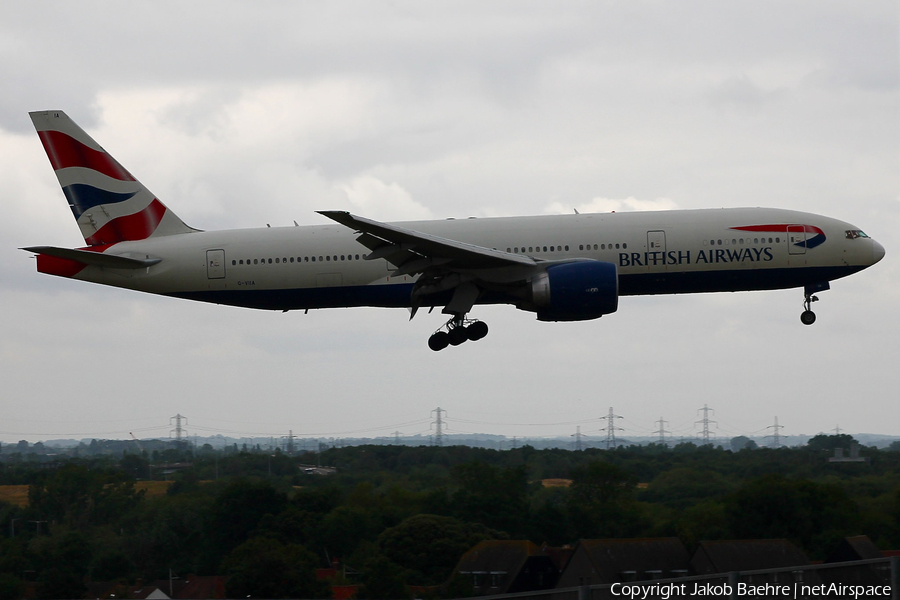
(665, 591)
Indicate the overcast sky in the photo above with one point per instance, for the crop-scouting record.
(242, 114)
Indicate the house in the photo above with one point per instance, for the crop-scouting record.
(507, 566)
(191, 587)
(623, 560)
(745, 555)
(857, 547)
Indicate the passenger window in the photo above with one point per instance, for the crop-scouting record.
(624, 246)
(277, 260)
(234, 262)
(254, 261)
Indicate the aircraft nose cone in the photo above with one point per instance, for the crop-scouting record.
(877, 251)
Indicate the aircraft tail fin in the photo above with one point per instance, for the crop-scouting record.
(109, 204)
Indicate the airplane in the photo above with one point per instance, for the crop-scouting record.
(569, 267)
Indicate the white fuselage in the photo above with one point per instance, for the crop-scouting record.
(285, 268)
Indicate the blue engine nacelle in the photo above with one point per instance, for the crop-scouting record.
(576, 291)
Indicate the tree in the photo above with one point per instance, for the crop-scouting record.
(383, 580)
(683, 487)
(344, 527)
(601, 501)
(742, 442)
(493, 496)
(59, 582)
(827, 443)
(11, 587)
(430, 546)
(239, 508)
(263, 567)
(814, 515)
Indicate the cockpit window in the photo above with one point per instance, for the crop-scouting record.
(852, 234)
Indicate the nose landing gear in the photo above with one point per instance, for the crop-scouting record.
(808, 317)
(458, 330)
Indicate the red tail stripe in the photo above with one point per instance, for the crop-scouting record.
(65, 267)
(138, 226)
(65, 151)
(54, 265)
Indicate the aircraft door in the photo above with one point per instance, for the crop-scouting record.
(215, 264)
(796, 236)
(656, 241)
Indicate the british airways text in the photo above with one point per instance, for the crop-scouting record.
(684, 257)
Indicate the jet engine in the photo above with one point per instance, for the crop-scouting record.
(575, 291)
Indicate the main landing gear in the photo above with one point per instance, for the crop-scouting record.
(458, 330)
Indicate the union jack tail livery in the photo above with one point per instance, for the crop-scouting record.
(109, 204)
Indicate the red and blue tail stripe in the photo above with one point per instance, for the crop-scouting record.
(108, 203)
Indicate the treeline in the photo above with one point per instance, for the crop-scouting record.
(397, 516)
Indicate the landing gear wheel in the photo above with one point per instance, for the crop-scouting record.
(457, 336)
(477, 330)
(439, 341)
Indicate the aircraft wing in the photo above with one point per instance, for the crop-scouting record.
(414, 251)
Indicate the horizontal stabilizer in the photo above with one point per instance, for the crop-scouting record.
(94, 258)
